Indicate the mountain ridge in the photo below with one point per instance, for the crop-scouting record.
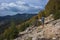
(5, 21)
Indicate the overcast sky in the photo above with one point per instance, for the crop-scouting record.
(11, 7)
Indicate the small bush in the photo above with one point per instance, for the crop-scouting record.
(23, 26)
(30, 38)
(1, 37)
(56, 15)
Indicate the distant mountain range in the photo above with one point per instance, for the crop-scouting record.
(18, 18)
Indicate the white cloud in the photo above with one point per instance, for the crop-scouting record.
(3, 5)
(12, 4)
(20, 2)
(19, 5)
(35, 6)
(28, 6)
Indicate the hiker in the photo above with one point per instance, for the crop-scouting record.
(42, 21)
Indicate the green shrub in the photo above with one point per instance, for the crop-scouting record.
(11, 32)
(56, 15)
(1, 37)
(23, 26)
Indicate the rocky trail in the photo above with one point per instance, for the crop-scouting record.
(51, 31)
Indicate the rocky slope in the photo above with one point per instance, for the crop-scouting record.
(51, 31)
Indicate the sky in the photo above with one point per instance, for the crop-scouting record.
(11, 7)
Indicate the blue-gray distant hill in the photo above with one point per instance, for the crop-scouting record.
(18, 18)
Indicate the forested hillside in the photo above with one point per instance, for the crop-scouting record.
(52, 7)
